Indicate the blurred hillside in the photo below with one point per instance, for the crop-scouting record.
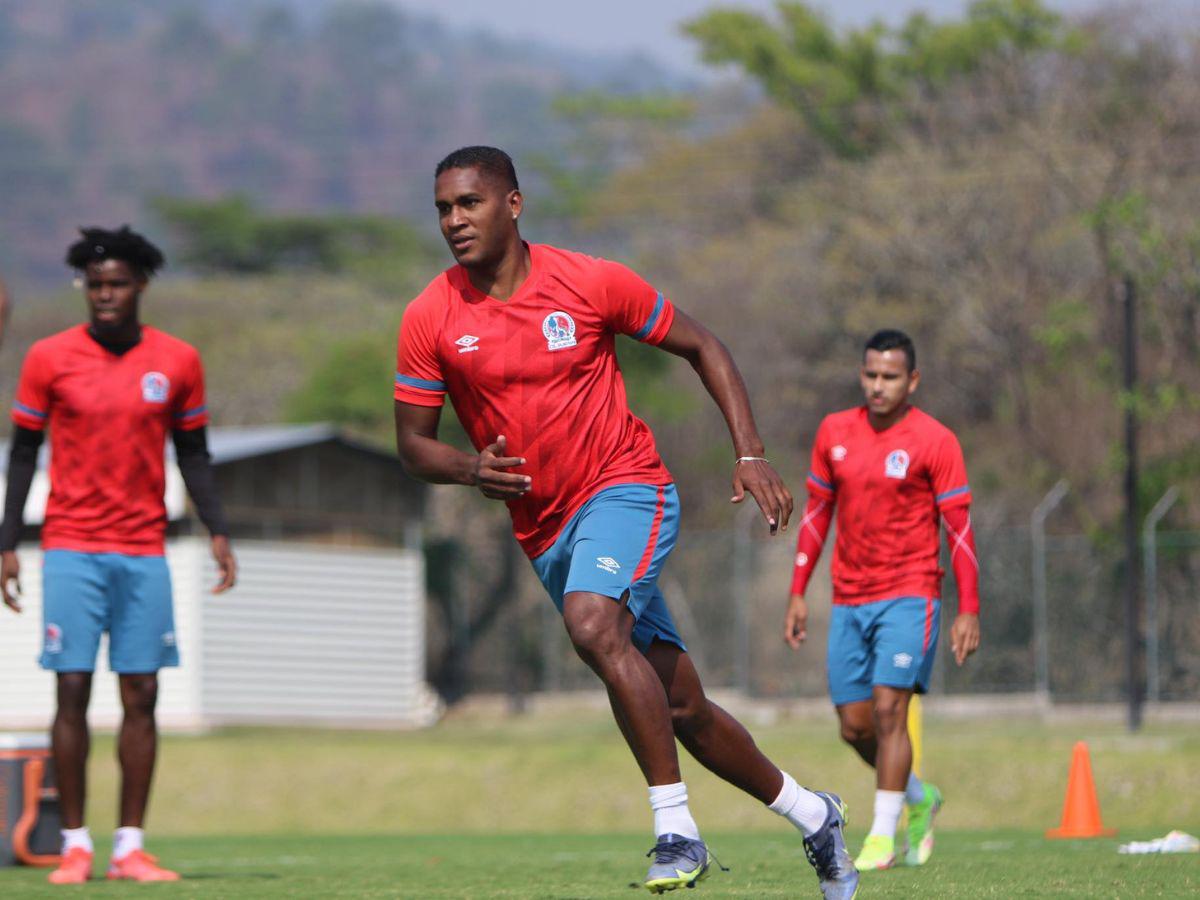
(341, 106)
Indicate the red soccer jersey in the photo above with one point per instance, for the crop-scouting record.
(889, 488)
(541, 369)
(108, 415)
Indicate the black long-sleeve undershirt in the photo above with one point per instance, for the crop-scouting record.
(22, 466)
(195, 465)
(191, 454)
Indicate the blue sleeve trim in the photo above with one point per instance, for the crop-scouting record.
(954, 493)
(421, 383)
(191, 413)
(819, 483)
(29, 410)
(644, 331)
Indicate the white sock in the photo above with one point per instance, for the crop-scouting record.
(76, 837)
(800, 806)
(914, 791)
(126, 839)
(671, 813)
(887, 812)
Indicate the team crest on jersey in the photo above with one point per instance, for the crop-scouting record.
(155, 387)
(838, 453)
(559, 329)
(896, 465)
(53, 638)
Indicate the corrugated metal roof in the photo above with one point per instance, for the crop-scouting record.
(232, 444)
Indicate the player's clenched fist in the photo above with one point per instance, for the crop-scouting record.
(492, 479)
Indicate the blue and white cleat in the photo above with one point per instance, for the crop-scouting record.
(678, 862)
(826, 850)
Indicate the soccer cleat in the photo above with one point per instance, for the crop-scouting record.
(678, 862)
(138, 865)
(75, 867)
(878, 852)
(920, 826)
(826, 851)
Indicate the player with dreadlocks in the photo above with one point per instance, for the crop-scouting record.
(109, 390)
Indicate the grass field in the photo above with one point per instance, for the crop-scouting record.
(553, 806)
(967, 864)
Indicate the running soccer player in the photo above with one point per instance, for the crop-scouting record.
(109, 390)
(891, 471)
(521, 336)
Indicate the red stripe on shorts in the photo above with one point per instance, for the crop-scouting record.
(648, 553)
(928, 624)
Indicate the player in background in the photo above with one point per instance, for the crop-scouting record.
(522, 339)
(110, 391)
(891, 471)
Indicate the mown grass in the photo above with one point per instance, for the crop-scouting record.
(998, 864)
(553, 806)
(572, 773)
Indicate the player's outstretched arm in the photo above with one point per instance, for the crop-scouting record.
(22, 464)
(428, 459)
(964, 633)
(752, 473)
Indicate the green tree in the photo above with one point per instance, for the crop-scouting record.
(231, 235)
(850, 87)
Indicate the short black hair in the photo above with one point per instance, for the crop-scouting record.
(491, 160)
(892, 339)
(125, 244)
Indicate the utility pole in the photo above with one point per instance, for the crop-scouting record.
(1132, 567)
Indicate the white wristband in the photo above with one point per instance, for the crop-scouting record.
(742, 459)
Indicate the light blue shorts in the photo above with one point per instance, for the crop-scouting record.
(888, 642)
(86, 594)
(615, 546)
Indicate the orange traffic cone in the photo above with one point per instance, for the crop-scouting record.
(1081, 811)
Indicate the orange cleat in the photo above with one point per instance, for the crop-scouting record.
(138, 865)
(75, 868)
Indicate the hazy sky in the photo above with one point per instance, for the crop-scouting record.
(652, 26)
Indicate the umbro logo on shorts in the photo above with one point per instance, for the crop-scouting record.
(902, 660)
(608, 564)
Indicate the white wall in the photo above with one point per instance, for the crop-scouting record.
(312, 634)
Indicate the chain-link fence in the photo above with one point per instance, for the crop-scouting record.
(728, 590)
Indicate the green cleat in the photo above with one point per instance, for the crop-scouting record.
(878, 852)
(920, 827)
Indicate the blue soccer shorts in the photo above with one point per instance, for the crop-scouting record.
(615, 546)
(890, 642)
(87, 594)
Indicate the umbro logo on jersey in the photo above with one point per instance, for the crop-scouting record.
(902, 660)
(467, 343)
(608, 564)
(896, 465)
(838, 453)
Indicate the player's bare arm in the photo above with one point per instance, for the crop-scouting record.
(425, 457)
(719, 373)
